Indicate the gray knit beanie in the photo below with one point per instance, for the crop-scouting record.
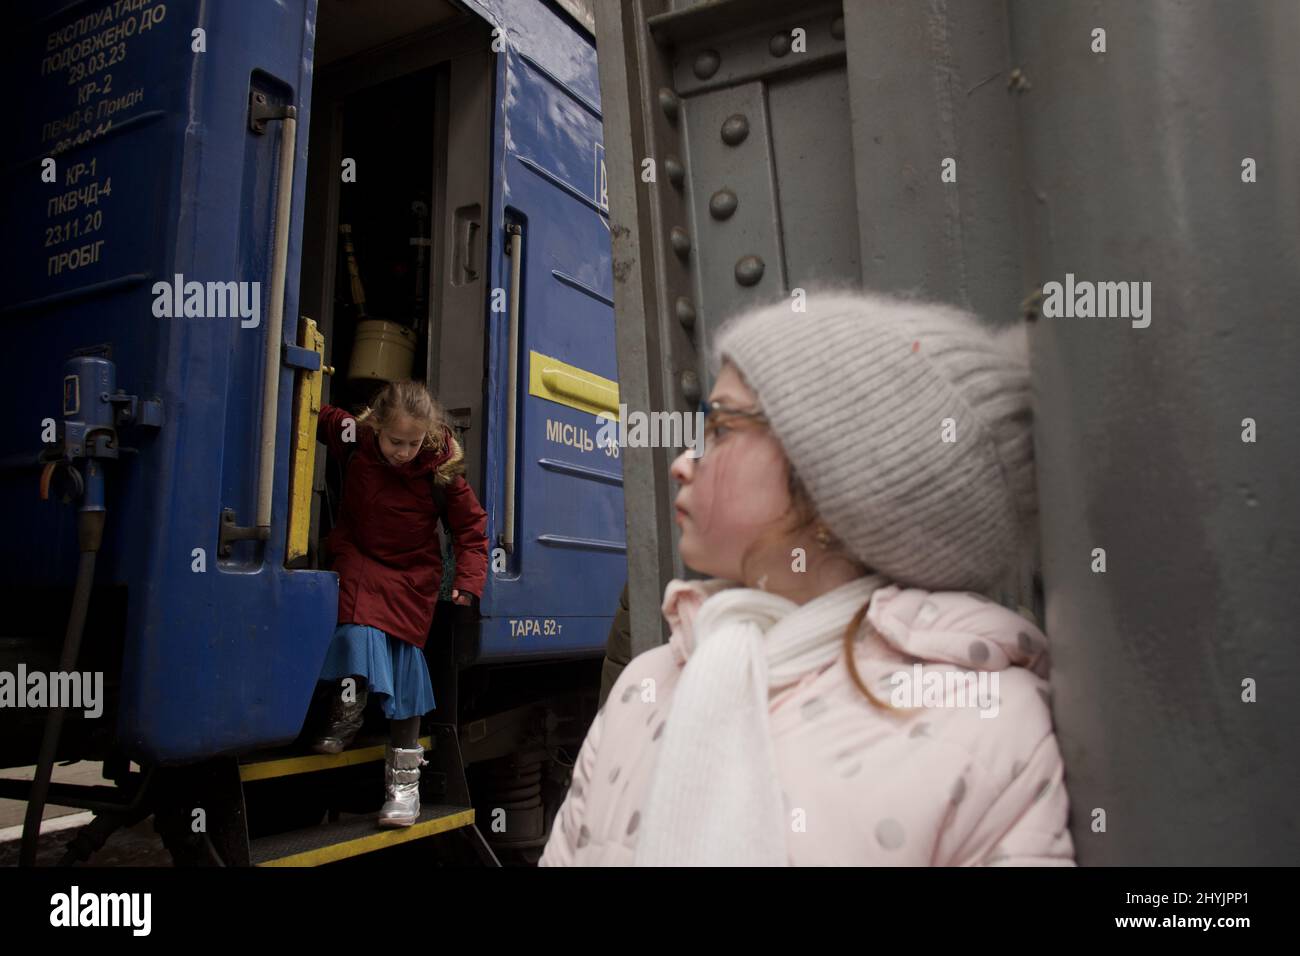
(857, 389)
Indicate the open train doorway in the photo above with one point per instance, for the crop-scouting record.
(398, 151)
(398, 176)
(382, 245)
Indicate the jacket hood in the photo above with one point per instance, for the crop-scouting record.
(957, 627)
(946, 627)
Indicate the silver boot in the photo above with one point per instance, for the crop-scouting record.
(401, 786)
(343, 721)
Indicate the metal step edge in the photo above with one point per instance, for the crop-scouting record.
(270, 767)
(433, 820)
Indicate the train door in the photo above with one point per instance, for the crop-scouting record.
(400, 149)
(501, 301)
(554, 494)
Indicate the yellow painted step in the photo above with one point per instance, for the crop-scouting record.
(269, 767)
(332, 842)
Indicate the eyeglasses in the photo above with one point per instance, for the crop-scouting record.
(719, 420)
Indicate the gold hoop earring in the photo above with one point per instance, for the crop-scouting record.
(823, 536)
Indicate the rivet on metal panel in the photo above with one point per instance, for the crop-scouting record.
(675, 170)
(749, 269)
(707, 63)
(669, 103)
(837, 28)
(690, 385)
(681, 242)
(722, 204)
(734, 129)
(779, 44)
(686, 313)
(1018, 82)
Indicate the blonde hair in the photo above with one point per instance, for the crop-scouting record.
(408, 398)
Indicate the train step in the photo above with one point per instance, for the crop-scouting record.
(328, 843)
(272, 764)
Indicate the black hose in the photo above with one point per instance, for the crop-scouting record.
(90, 526)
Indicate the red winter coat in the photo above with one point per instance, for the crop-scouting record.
(386, 547)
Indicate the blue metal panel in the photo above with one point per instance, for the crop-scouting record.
(224, 660)
(563, 581)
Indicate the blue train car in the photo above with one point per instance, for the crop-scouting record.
(179, 176)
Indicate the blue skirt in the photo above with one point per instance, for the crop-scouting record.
(393, 669)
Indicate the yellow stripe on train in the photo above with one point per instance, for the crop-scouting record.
(566, 384)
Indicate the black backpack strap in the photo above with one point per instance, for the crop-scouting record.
(440, 502)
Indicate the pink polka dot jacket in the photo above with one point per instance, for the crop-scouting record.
(955, 765)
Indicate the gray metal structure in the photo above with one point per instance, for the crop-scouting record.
(777, 169)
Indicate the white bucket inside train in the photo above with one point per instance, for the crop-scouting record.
(382, 350)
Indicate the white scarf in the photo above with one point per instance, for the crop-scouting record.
(715, 799)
